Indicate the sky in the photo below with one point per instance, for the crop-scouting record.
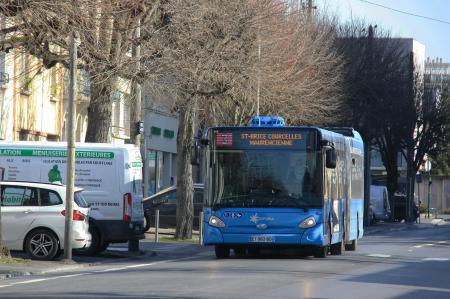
(434, 35)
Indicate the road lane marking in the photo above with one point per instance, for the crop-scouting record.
(437, 259)
(379, 255)
(95, 272)
(110, 270)
(30, 281)
(442, 242)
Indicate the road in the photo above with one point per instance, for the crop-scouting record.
(412, 263)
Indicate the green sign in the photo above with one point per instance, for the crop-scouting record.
(137, 164)
(152, 156)
(168, 133)
(55, 153)
(156, 131)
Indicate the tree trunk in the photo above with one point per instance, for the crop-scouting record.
(185, 189)
(100, 111)
(410, 178)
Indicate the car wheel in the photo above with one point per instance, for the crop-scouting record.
(222, 252)
(146, 222)
(42, 244)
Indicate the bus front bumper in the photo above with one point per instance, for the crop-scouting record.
(310, 236)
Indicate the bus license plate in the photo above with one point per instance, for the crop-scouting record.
(262, 239)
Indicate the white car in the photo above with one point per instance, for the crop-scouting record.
(33, 218)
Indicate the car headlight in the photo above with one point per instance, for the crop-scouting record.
(216, 221)
(308, 222)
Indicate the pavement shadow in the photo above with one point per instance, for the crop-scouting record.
(425, 274)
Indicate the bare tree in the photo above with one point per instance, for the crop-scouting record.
(105, 28)
(376, 72)
(202, 53)
(216, 57)
(297, 72)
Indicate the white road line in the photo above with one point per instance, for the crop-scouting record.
(73, 275)
(110, 270)
(442, 242)
(437, 259)
(97, 271)
(379, 255)
(141, 265)
(30, 281)
(418, 246)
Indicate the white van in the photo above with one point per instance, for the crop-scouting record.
(379, 203)
(111, 176)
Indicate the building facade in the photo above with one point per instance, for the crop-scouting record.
(159, 150)
(31, 98)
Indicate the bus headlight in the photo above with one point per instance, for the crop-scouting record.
(216, 221)
(308, 222)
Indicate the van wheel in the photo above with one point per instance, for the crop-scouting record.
(94, 248)
(336, 249)
(222, 252)
(146, 222)
(42, 244)
(103, 247)
(320, 251)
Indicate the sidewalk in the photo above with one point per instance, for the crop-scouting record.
(441, 219)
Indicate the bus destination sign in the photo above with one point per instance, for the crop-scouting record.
(260, 139)
(270, 139)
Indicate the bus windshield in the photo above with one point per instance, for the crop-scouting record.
(266, 178)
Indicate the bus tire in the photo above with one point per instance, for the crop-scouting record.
(336, 249)
(320, 251)
(222, 252)
(352, 246)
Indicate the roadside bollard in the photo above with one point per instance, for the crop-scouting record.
(157, 226)
(200, 228)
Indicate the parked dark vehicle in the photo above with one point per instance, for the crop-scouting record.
(166, 202)
(399, 204)
(399, 207)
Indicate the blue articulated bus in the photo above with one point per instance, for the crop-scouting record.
(271, 185)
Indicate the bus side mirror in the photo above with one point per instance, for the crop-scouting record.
(330, 157)
(195, 153)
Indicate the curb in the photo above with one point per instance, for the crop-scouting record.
(8, 274)
(13, 274)
(403, 226)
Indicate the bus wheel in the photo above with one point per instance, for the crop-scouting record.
(352, 246)
(222, 252)
(336, 249)
(320, 251)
